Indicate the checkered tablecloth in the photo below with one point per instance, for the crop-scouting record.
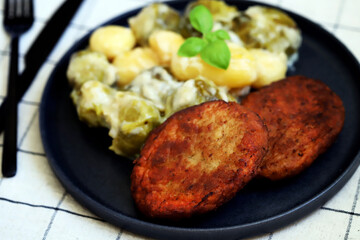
(34, 205)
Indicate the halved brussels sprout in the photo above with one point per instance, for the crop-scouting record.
(268, 28)
(193, 92)
(136, 117)
(129, 117)
(91, 100)
(155, 85)
(157, 16)
(87, 65)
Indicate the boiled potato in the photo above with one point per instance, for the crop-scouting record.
(165, 44)
(112, 40)
(131, 63)
(241, 71)
(270, 67)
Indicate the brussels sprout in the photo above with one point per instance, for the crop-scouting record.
(86, 65)
(268, 28)
(155, 85)
(129, 117)
(90, 100)
(136, 117)
(193, 92)
(157, 16)
(223, 16)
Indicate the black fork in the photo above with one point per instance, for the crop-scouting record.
(18, 18)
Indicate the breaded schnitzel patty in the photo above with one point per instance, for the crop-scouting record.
(198, 159)
(303, 117)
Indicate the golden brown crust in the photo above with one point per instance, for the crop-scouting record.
(198, 159)
(303, 117)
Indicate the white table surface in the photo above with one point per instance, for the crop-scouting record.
(34, 205)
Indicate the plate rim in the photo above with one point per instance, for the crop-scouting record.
(141, 226)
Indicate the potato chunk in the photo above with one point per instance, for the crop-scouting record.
(241, 71)
(132, 63)
(270, 67)
(112, 40)
(165, 44)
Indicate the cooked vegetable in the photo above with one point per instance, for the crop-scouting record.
(170, 95)
(90, 100)
(157, 16)
(223, 16)
(112, 40)
(136, 118)
(165, 44)
(147, 94)
(193, 92)
(270, 67)
(241, 71)
(270, 29)
(211, 47)
(86, 65)
(155, 85)
(131, 63)
(129, 117)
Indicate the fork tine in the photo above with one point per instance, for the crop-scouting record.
(28, 8)
(9, 9)
(18, 8)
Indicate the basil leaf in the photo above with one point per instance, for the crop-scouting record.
(191, 47)
(211, 37)
(217, 35)
(201, 19)
(222, 34)
(216, 54)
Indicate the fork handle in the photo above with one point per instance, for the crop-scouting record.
(10, 132)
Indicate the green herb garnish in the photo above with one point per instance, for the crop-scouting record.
(212, 47)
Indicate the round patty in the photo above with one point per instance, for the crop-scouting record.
(198, 159)
(303, 117)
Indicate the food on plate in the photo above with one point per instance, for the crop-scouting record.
(165, 44)
(193, 92)
(170, 95)
(269, 66)
(129, 117)
(155, 85)
(168, 88)
(130, 114)
(142, 65)
(157, 16)
(112, 40)
(223, 16)
(246, 68)
(87, 65)
(303, 117)
(198, 159)
(133, 62)
(240, 73)
(271, 29)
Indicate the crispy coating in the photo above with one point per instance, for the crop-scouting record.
(303, 117)
(198, 159)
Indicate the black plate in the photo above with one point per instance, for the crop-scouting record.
(100, 181)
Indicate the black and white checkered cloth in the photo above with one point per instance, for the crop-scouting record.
(34, 205)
